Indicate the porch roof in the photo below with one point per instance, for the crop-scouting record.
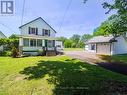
(100, 39)
(37, 37)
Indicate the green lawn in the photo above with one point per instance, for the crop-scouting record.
(73, 49)
(59, 75)
(116, 58)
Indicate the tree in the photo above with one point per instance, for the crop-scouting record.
(86, 37)
(102, 29)
(68, 43)
(75, 38)
(81, 44)
(113, 25)
(13, 36)
(119, 5)
(11, 45)
(63, 39)
(116, 24)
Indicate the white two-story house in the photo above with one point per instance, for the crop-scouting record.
(37, 35)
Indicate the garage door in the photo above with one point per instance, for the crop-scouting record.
(103, 48)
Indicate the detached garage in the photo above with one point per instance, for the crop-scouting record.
(107, 45)
(103, 48)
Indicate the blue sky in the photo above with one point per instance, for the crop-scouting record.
(80, 18)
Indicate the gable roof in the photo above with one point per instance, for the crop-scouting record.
(37, 19)
(100, 39)
(2, 35)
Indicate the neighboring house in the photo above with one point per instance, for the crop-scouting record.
(38, 35)
(2, 36)
(107, 45)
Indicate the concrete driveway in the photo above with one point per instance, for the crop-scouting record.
(89, 57)
(93, 59)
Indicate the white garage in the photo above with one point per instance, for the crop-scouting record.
(103, 48)
(101, 45)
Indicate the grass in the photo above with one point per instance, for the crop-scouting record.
(116, 58)
(73, 49)
(60, 75)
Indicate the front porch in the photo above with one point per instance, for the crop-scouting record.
(37, 46)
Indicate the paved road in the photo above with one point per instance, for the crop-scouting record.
(93, 59)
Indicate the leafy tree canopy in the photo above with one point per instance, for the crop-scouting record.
(86, 37)
(75, 38)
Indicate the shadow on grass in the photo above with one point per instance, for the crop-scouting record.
(72, 77)
(114, 59)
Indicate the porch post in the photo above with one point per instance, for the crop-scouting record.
(96, 47)
(20, 46)
(29, 42)
(36, 42)
(43, 43)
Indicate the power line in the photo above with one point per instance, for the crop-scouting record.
(68, 6)
(23, 9)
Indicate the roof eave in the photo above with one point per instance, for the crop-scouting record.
(37, 19)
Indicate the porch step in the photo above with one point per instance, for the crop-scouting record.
(50, 53)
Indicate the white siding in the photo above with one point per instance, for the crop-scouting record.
(120, 47)
(88, 47)
(103, 48)
(59, 43)
(40, 24)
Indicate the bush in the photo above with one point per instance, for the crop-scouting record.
(15, 52)
(40, 52)
(8, 53)
(5, 53)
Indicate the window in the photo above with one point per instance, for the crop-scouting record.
(45, 32)
(33, 30)
(33, 42)
(39, 42)
(26, 42)
(92, 47)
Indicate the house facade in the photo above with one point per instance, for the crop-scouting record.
(1, 37)
(37, 35)
(107, 45)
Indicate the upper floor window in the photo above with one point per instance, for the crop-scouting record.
(45, 32)
(33, 30)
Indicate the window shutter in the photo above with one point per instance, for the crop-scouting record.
(49, 33)
(36, 31)
(43, 32)
(29, 30)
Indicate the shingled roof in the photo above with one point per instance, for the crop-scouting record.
(100, 39)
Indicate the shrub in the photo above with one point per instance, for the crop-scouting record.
(5, 53)
(15, 52)
(40, 52)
